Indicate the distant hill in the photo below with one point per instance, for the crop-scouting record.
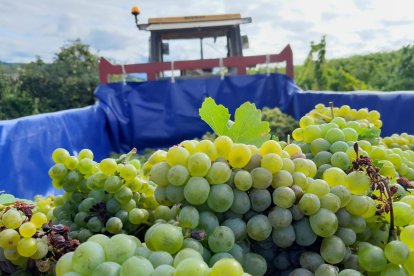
(10, 69)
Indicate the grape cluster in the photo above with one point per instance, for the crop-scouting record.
(126, 255)
(100, 197)
(402, 141)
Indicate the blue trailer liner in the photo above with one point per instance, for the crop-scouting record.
(160, 114)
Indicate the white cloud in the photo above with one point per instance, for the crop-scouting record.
(28, 28)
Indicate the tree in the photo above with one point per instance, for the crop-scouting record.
(68, 82)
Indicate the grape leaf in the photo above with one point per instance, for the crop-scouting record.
(216, 116)
(7, 199)
(371, 132)
(248, 127)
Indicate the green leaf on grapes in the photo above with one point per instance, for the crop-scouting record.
(248, 127)
(371, 132)
(7, 199)
(378, 164)
(216, 116)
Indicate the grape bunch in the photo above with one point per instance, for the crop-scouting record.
(27, 237)
(161, 254)
(402, 141)
(108, 196)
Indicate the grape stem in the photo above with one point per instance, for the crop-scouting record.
(124, 158)
(331, 105)
(378, 182)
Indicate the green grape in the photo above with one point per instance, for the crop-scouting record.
(107, 268)
(85, 153)
(136, 163)
(331, 202)
(300, 272)
(158, 258)
(239, 155)
(347, 235)
(309, 204)
(58, 171)
(64, 264)
(339, 146)
(358, 224)
(197, 190)
(349, 272)
(84, 235)
(403, 213)
(194, 244)
(221, 239)
(119, 248)
(159, 174)
(219, 173)
(340, 160)
(12, 219)
(207, 147)
(218, 256)
(26, 247)
(113, 225)
(163, 212)
(220, 198)
(306, 121)
(160, 195)
(406, 236)
(208, 221)
(324, 222)
(100, 239)
(243, 180)
(333, 249)
(284, 197)
(85, 166)
(178, 175)
(284, 237)
(310, 260)
(137, 216)
(396, 252)
(198, 164)
(9, 238)
(80, 218)
(94, 224)
(372, 209)
(259, 227)
(260, 199)
(282, 178)
(254, 264)
(288, 165)
(318, 145)
(270, 146)
(272, 162)
(304, 165)
(291, 149)
(297, 134)
(241, 202)
(188, 217)
(123, 195)
(142, 251)
(174, 194)
(322, 158)
(343, 193)
(311, 133)
(409, 263)
(372, 258)
(358, 182)
(334, 176)
(177, 155)
(318, 187)
(393, 269)
(163, 270)
(262, 178)
(164, 237)
(108, 166)
(280, 217)
(186, 253)
(27, 229)
(300, 180)
(136, 266)
(226, 266)
(59, 155)
(303, 232)
(326, 269)
(253, 163)
(223, 145)
(128, 172)
(41, 250)
(335, 134)
(191, 266)
(238, 226)
(358, 205)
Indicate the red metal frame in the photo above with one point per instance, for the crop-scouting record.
(240, 63)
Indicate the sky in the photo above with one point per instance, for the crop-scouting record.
(40, 28)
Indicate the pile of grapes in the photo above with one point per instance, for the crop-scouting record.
(336, 200)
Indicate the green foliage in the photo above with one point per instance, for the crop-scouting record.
(281, 125)
(247, 127)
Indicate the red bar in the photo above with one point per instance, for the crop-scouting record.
(239, 62)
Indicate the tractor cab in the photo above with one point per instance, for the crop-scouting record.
(198, 27)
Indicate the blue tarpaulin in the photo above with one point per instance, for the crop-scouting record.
(161, 114)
